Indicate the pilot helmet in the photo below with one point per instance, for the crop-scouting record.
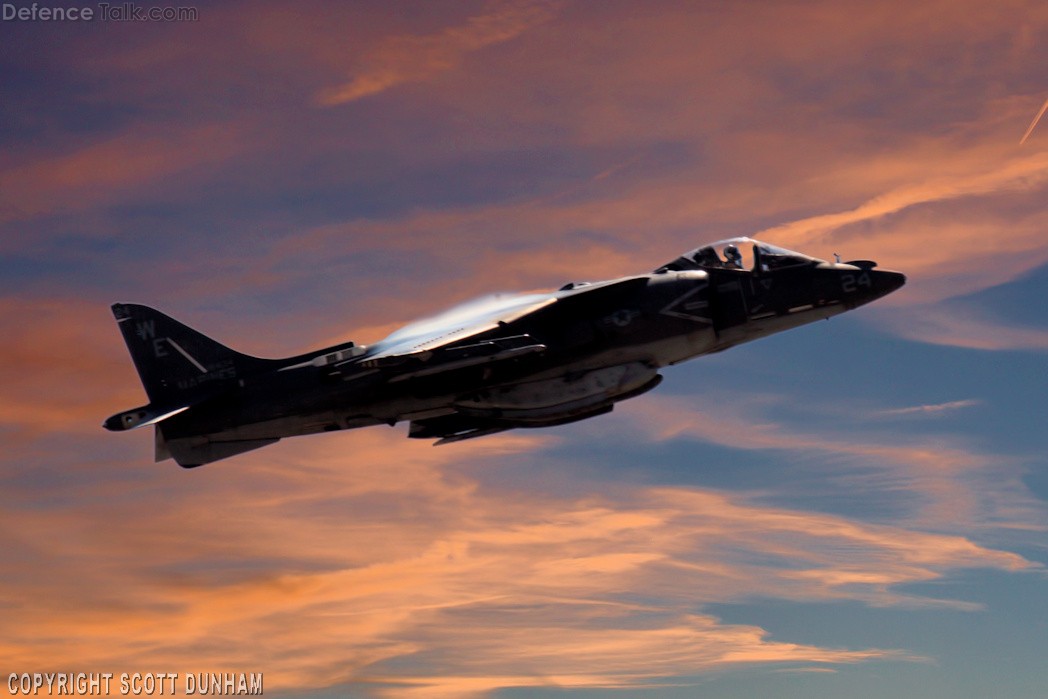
(731, 254)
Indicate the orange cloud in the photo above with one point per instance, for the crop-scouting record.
(942, 231)
(399, 557)
(62, 365)
(367, 559)
(957, 488)
(679, 80)
(626, 658)
(108, 171)
(963, 328)
(1025, 173)
(415, 58)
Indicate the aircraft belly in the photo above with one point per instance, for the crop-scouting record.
(674, 350)
(597, 385)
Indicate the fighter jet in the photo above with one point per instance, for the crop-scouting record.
(500, 363)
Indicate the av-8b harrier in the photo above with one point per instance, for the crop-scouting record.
(531, 360)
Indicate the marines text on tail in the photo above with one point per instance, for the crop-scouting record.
(495, 364)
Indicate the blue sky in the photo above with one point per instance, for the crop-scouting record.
(854, 508)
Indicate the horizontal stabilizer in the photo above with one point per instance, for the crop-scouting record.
(140, 417)
(197, 451)
(471, 434)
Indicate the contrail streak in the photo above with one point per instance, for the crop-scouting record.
(1044, 107)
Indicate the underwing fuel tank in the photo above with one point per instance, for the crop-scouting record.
(550, 396)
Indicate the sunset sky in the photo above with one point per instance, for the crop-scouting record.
(858, 508)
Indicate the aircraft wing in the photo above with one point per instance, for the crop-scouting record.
(457, 325)
(448, 341)
(427, 362)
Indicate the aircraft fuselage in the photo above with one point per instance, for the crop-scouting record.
(565, 356)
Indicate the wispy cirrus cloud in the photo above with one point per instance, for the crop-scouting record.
(950, 486)
(1033, 124)
(403, 577)
(627, 658)
(110, 170)
(404, 59)
(930, 409)
(957, 250)
(368, 561)
(970, 328)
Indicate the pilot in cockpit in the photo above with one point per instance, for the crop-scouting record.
(707, 257)
(733, 257)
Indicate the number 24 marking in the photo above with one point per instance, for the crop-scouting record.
(850, 283)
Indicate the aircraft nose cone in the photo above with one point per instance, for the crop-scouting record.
(886, 282)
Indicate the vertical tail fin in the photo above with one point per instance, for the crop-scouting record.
(178, 366)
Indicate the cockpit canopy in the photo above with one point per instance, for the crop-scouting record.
(739, 253)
